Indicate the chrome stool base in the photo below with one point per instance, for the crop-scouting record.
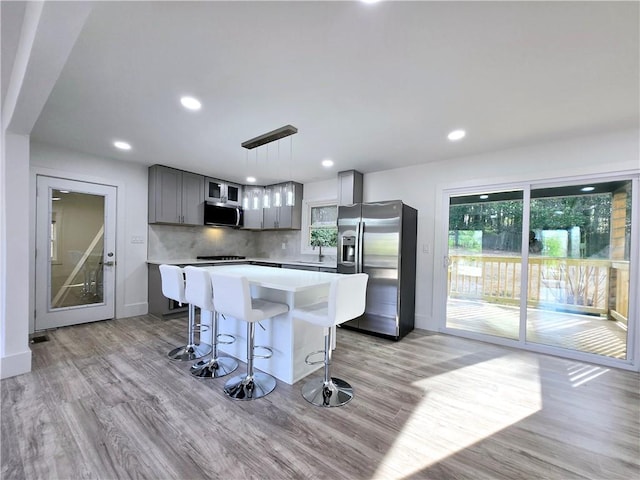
(214, 368)
(335, 393)
(190, 352)
(244, 387)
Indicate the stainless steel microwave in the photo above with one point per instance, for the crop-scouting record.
(222, 215)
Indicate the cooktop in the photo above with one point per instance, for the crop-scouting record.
(220, 257)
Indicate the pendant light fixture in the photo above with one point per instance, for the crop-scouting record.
(269, 137)
(289, 189)
(275, 196)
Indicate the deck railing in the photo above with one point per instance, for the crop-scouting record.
(580, 285)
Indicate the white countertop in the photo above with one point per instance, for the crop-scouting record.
(278, 278)
(275, 261)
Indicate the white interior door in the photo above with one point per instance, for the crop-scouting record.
(75, 252)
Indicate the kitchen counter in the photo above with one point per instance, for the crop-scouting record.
(274, 261)
(290, 340)
(160, 306)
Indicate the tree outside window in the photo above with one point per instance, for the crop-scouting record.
(323, 226)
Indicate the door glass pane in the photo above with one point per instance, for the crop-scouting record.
(578, 292)
(485, 240)
(76, 248)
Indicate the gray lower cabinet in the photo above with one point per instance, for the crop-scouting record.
(159, 305)
(310, 268)
(328, 270)
(175, 196)
(300, 267)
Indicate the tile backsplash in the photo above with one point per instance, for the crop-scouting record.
(174, 242)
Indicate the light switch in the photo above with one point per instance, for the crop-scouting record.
(284, 246)
(425, 248)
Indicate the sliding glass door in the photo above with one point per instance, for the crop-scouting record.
(579, 270)
(545, 266)
(485, 237)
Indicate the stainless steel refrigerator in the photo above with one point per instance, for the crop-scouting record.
(380, 239)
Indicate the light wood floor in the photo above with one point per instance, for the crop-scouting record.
(103, 402)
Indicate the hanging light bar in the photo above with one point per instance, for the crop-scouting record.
(269, 137)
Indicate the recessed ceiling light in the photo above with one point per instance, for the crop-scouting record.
(588, 189)
(456, 135)
(55, 198)
(327, 162)
(369, 1)
(122, 145)
(63, 191)
(191, 103)
(484, 197)
(251, 179)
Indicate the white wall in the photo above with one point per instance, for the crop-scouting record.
(14, 255)
(131, 181)
(324, 190)
(422, 187)
(47, 34)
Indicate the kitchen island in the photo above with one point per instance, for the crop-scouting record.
(291, 340)
(162, 307)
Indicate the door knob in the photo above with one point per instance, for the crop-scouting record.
(110, 263)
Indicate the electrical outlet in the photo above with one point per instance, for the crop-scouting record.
(137, 239)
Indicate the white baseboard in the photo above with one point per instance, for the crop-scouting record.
(133, 310)
(425, 322)
(15, 364)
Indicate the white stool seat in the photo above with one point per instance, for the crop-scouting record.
(233, 298)
(347, 300)
(199, 292)
(262, 309)
(173, 287)
(318, 313)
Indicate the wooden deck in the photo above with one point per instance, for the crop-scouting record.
(585, 333)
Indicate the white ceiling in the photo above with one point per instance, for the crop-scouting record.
(371, 86)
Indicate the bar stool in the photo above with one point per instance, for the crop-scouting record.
(233, 298)
(199, 292)
(347, 300)
(173, 288)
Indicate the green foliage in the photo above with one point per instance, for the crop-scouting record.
(502, 220)
(553, 247)
(489, 217)
(562, 213)
(469, 240)
(324, 237)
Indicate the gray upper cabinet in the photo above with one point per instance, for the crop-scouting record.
(221, 191)
(349, 187)
(175, 196)
(281, 214)
(252, 205)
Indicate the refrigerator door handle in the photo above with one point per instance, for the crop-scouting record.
(356, 260)
(359, 243)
